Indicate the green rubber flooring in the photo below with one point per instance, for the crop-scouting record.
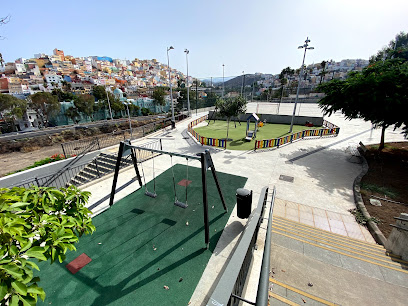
(142, 244)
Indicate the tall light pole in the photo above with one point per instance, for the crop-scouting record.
(306, 47)
(130, 122)
(173, 122)
(223, 86)
(110, 109)
(242, 86)
(188, 87)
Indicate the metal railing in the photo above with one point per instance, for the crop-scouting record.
(107, 140)
(231, 284)
(58, 183)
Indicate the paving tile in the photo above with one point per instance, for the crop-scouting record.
(349, 219)
(367, 234)
(340, 231)
(292, 217)
(319, 212)
(333, 216)
(306, 220)
(356, 235)
(322, 225)
(292, 212)
(290, 204)
(352, 227)
(337, 224)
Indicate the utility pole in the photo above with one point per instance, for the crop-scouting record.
(242, 86)
(110, 109)
(188, 87)
(223, 82)
(196, 95)
(306, 47)
(173, 121)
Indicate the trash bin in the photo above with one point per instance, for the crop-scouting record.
(244, 203)
(173, 124)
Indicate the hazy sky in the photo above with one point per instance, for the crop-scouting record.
(251, 36)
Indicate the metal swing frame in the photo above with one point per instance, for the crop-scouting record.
(126, 148)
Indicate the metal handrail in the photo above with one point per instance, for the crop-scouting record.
(262, 296)
(230, 284)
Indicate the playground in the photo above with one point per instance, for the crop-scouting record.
(237, 132)
(145, 250)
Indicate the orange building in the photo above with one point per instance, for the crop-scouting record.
(60, 53)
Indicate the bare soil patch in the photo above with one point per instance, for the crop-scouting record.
(386, 178)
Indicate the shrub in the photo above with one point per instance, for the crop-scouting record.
(37, 223)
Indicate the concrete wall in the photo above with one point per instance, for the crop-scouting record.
(397, 242)
(279, 119)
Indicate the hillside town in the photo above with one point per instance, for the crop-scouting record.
(132, 83)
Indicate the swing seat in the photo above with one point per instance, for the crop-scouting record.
(151, 194)
(180, 204)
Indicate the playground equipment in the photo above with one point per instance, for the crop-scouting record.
(251, 134)
(126, 149)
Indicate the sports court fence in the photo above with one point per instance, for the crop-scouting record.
(329, 130)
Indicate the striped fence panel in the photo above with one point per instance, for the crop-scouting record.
(213, 142)
(329, 130)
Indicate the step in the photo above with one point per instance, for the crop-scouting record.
(312, 229)
(289, 295)
(343, 243)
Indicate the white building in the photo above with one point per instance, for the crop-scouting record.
(53, 78)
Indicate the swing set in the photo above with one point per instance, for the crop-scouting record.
(126, 149)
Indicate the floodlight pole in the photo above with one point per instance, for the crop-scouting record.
(110, 109)
(242, 86)
(223, 85)
(188, 87)
(306, 47)
(173, 121)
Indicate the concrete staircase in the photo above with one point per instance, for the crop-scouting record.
(311, 266)
(100, 166)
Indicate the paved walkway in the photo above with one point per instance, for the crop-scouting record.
(322, 170)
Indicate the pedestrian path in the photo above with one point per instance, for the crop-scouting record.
(323, 219)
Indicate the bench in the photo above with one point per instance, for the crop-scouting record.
(356, 151)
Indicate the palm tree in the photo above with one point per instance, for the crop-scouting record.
(322, 74)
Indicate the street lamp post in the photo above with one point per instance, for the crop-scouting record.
(306, 47)
(130, 122)
(110, 109)
(223, 86)
(173, 122)
(188, 87)
(242, 86)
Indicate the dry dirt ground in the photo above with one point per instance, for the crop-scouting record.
(387, 178)
(17, 160)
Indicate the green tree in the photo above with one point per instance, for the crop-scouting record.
(62, 95)
(378, 94)
(85, 104)
(12, 107)
(231, 108)
(145, 111)
(158, 95)
(39, 223)
(397, 48)
(99, 93)
(323, 72)
(45, 105)
(72, 112)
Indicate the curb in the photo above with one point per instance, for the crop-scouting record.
(358, 200)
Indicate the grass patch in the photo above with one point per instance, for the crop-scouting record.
(218, 129)
(379, 189)
(361, 219)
